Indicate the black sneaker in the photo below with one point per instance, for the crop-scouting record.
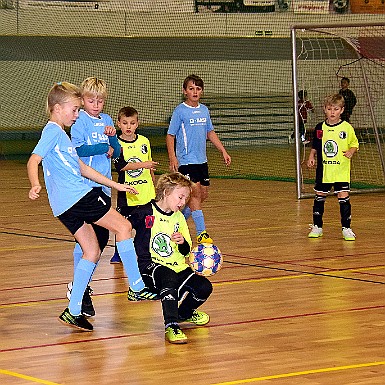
(141, 295)
(75, 321)
(87, 306)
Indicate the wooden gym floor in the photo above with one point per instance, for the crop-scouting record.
(285, 309)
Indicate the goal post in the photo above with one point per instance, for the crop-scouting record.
(323, 54)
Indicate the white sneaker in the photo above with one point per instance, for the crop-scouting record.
(348, 234)
(315, 231)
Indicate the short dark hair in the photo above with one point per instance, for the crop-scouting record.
(302, 94)
(195, 79)
(346, 79)
(127, 111)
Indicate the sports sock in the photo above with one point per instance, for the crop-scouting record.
(78, 253)
(199, 221)
(318, 210)
(345, 211)
(128, 256)
(186, 212)
(169, 299)
(82, 276)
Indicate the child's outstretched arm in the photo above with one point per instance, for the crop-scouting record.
(92, 174)
(170, 143)
(33, 175)
(213, 137)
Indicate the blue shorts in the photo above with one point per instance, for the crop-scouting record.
(89, 209)
(196, 173)
(326, 187)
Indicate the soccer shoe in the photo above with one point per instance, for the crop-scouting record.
(315, 231)
(174, 335)
(204, 237)
(141, 295)
(348, 234)
(78, 321)
(199, 318)
(115, 258)
(87, 305)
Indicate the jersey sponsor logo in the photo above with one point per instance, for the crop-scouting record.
(136, 182)
(198, 121)
(134, 173)
(150, 219)
(330, 148)
(161, 244)
(144, 149)
(343, 135)
(99, 137)
(331, 162)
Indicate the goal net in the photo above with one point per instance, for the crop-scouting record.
(144, 54)
(322, 56)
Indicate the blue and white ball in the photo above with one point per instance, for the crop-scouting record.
(206, 259)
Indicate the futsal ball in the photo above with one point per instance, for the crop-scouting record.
(205, 259)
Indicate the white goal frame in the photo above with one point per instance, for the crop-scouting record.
(299, 147)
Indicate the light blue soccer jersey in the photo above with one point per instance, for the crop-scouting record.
(88, 130)
(63, 181)
(190, 126)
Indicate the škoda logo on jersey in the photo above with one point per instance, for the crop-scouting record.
(161, 244)
(330, 148)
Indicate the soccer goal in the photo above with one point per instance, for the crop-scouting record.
(321, 56)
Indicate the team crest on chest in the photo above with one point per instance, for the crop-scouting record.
(161, 244)
(342, 135)
(150, 219)
(134, 173)
(330, 148)
(144, 149)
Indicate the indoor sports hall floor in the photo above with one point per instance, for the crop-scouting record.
(285, 309)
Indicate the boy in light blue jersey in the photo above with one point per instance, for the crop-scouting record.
(189, 128)
(94, 137)
(75, 203)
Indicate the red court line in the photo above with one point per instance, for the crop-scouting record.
(267, 319)
(353, 270)
(57, 284)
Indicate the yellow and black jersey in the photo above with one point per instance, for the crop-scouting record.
(153, 243)
(331, 142)
(138, 150)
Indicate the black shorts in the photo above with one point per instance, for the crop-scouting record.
(126, 210)
(326, 187)
(89, 209)
(156, 277)
(196, 173)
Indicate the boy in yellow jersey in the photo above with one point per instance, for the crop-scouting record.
(334, 143)
(135, 166)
